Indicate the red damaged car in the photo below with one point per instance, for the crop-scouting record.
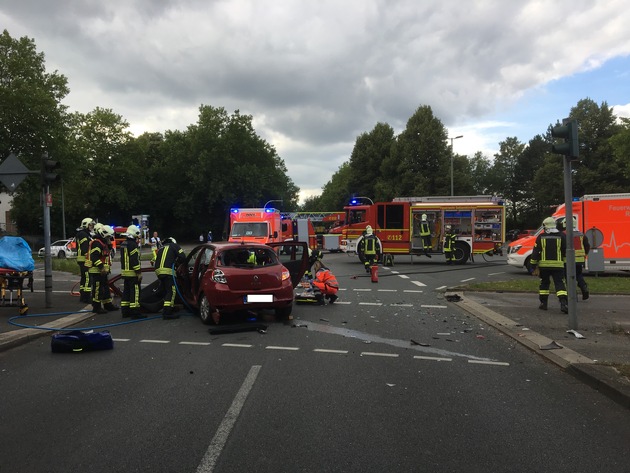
(224, 277)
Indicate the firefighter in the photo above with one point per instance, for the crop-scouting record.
(131, 273)
(548, 259)
(582, 246)
(326, 282)
(82, 240)
(370, 247)
(313, 256)
(99, 268)
(449, 241)
(168, 257)
(425, 234)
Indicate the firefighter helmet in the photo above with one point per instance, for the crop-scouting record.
(133, 231)
(368, 230)
(549, 224)
(86, 222)
(424, 217)
(170, 240)
(448, 227)
(105, 231)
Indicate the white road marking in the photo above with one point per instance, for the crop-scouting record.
(466, 280)
(431, 358)
(215, 448)
(273, 347)
(427, 306)
(404, 276)
(387, 290)
(370, 303)
(401, 305)
(371, 353)
(443, 333)
(495, 274)
(440, 288)
(362, 290)
(394, 272)
(418, 283)
(497, 363)
(195, 343)
(121, 339)
(324, 350)
(236, 345)
(342, 303)
(413, 291)
(155, 341)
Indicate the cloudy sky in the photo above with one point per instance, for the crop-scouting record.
(315, 75)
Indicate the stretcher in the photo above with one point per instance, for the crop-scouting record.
(307, 293)
(16, 265)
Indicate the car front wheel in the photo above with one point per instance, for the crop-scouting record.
(205, 311)
(61, 255)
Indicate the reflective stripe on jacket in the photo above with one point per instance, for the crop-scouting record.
(129, 258)
(549, 251)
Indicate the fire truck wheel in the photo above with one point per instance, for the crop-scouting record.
(461, 252)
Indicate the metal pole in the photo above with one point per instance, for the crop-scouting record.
(63, 211)
(570, 259)
(452, 191)
(47, 256)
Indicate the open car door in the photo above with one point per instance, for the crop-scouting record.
(294, 256)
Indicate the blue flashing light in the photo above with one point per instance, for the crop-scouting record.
(234, 211)
(576, 199)
(269, 210)
(354, 202)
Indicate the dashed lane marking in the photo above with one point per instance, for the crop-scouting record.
(418, 283)
(431, 358)
(496, 363)
(466, 280)
(386, 355)
(440, 288)
(195, 343)
(236, 345)
(336, 352)
(401, 305)
(370, 303)
(275, 347)
(413, 291)
(404, 276)
(362, 290)
(428, 306)
(387, 290)
(155, 341)
(121, 339)
(496, 274)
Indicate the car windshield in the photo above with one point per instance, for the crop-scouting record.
(249, 229)
(248, 257)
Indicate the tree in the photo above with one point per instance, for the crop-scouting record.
(504, 172)
(32, 120)
(369, 151)
(620, 144)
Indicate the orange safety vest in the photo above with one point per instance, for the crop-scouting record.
(326, 282)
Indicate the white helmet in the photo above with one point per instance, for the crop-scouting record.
(549, 224)
(368, 230)
(170, 240)
(86, 222)
(424, 217)
(448, 227)
(105, 231)
(133, 231)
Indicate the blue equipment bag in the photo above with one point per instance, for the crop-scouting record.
(76, 341)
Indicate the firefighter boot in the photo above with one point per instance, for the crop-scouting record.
(97, 309)
(543, 302)
(585, 293)
(563, 304)
(110, 307)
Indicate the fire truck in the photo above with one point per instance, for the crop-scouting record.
(319, 226)
(268, 225)
(478, 222)
(604, 219)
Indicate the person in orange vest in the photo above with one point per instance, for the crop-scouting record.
(325, 281)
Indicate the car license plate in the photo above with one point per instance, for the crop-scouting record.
(258, 298)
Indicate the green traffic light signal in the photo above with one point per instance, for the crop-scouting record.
(569, 132)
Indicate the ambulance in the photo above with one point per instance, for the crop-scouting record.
(604, 219)
(478, 222)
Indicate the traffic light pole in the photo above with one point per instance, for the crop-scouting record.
(570, 265)
(47, 255)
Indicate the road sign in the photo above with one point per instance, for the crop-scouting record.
(13, 172)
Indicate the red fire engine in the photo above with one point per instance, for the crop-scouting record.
(478, 222)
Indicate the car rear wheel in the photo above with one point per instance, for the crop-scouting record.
(205, 311)
(283, 313)
(61, 254)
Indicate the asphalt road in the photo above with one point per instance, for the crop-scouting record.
(390, 378)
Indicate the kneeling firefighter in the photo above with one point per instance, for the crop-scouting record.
(326, 282)
(167, 258)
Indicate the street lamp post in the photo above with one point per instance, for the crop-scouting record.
(455, 138)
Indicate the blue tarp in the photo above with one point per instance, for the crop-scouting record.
(16, 254)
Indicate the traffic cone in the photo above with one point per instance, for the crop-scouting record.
(374, 273)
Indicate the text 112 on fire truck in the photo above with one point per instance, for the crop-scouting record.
(478, 222)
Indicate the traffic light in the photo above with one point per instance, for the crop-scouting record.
(49, 170)
(569, 132)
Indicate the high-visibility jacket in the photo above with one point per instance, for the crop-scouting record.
(98, 256)
(169, 255)
(581, 245)
(449, 241)
(425, 229)
(549, 250)
(326, 281)
(370, 245)
(129, 258)
(82, 239)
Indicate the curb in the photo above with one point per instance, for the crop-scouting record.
(604, 379)
(18, 337)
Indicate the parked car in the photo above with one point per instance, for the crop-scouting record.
(225, 278)
(61, 249)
